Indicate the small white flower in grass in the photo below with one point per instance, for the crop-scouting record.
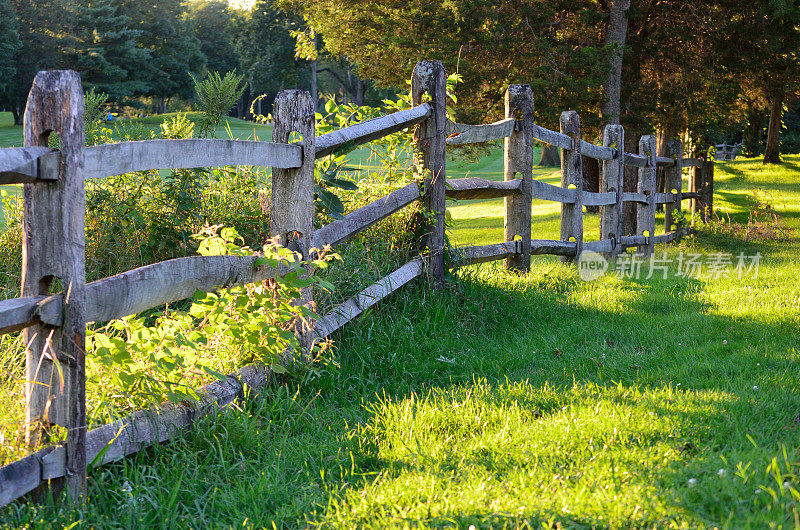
(678, 384)
(721, 473)
(755, 387)
(603, 356)
(126, 487)
(725, 342)
(692, 482)
(787, 485)
(758, 364)
(758, 492)
(472, 527)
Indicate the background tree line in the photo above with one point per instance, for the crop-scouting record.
(144, 53)
(703, 71)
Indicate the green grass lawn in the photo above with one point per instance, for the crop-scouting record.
(507, 401)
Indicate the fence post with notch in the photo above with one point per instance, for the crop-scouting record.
(292, 216)
(518, 160)
(674, 184)
(572, 178)
(646, 212)
(430, 78)
(611, 178)
(53, 258)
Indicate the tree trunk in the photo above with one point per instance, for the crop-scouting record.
(550, 156)
(360, 89)
(615, 37)
(771, 150)
(755, 126)
(314, 91)
(591, 179)
(18, 113)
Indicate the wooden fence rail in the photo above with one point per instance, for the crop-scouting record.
(54, 242)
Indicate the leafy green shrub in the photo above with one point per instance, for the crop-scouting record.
(131, 363)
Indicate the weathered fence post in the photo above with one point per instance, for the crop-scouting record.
(429, 159)
(646, 213)
(611, 178)
(518, 159)
(292, 216)
(572, 177)
(674, 181)
(701, 180)
(707, 191)
(53, 257)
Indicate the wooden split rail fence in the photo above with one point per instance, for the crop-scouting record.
(54, 324)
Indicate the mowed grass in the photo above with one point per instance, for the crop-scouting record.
(508, 401)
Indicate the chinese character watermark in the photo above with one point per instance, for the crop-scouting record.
(592, 265)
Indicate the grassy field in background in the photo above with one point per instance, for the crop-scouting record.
(508, 401)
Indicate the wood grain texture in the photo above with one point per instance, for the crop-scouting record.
(572, 175)
(476, 134)
(554, 247)
(632, 159)
(598, 199)
(692, 162)
(344, 313)
(19, 313)
(630, 196)
(548, 192)
(611, 178)
(518, 162)
(478, 188)
(664, 198)
(53, 247)
(604, 246)
(596, 151)
(116, 159)
(21, 165)
(663, 161)
(646, 213)
(667, 237)
(430, 78)
(367, 131)
(552, 137)
(366, 216)
(484, 253)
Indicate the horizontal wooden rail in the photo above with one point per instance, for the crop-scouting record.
(691, 195)
(632, 196)
(553, 246)
(664, 198)
(478, 188)
(19, 313)
(20, 165)
(666, 237)
(474, 134)
(597, 151)
(633, 240)
(662, 161)
(484, 253)
(140, 289)
(548, 192)
(590, 198)
(367, 131)
(116, 159)
(692, 162)
(635, 160)
(367, 298)
(552, 137)
(130, 435)
(605, 245)
(366, 216)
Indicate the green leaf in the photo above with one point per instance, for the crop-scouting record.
(344, 184)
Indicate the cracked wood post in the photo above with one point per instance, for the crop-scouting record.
(53, 248)
(430, 78)
(646, 213)
(518, 159)
(611, 178)
(292, 215)
(674, 181)
(572, 177)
